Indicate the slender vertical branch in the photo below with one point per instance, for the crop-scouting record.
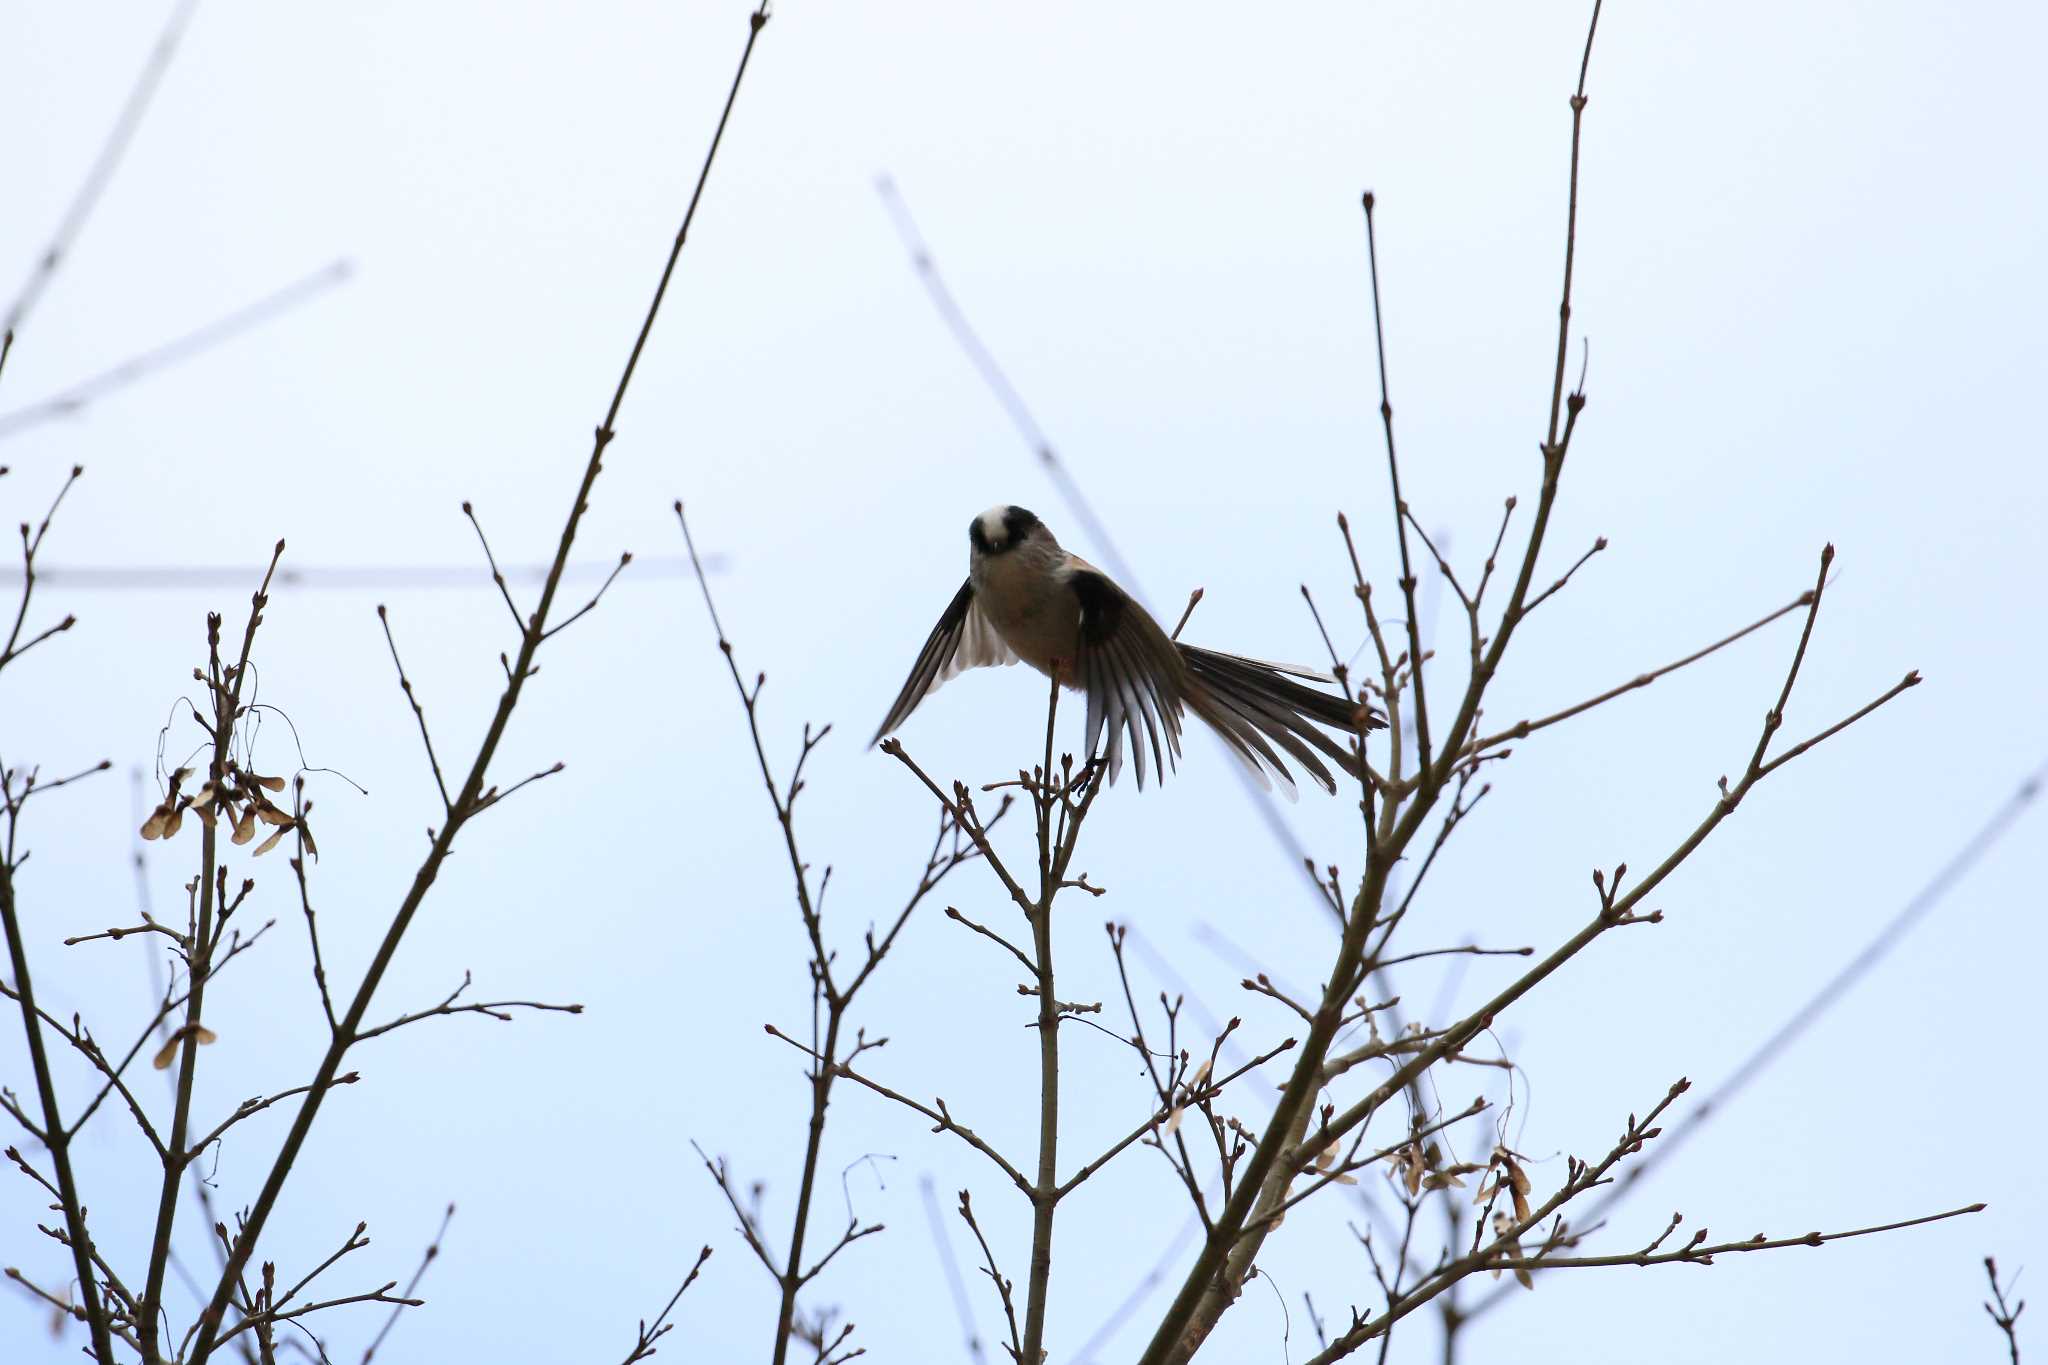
(224, 687)
(791, 1279)
(950, 1263)
(1571, 235)
(1557, 442)
(1045, 1190)
(2005, 1316)
(55, 1137)
(1379, 336)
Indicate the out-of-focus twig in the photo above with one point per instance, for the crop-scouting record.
(180, 577)
(427, 1258)
(999, 383)
(969, 1332)
(73, 400)
(103, 166)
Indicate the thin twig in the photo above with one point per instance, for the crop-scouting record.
(2004, 1316)
(30, 545)
(52, 1132)
(1003, 1286)
(1401, 517)
(495, 1009)
(1815, 1007)
(942, 1120)
(497, 576)
(950, 1262)
(1704, 1255)
(661, 1326)
(1528, 727)
(573, 617)
(418, 713)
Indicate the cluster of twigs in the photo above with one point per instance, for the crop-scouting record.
(1418, 1170)
(833, 992)
(1327, 1129)
(249, 1306)
(1413, 798)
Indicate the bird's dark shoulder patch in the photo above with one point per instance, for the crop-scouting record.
(1102, 606)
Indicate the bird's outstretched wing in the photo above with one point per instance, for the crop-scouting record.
(1138, 679)
(962, 639)
(1131, 671)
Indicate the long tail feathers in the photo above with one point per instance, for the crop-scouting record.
(1255, 705)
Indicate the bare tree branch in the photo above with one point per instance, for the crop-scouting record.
(473, 785)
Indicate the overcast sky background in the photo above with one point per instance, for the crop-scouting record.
(1811, 275)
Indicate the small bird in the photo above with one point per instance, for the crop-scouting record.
(1026, 598)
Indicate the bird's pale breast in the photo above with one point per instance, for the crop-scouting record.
(1024, 596)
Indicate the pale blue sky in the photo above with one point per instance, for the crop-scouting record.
(1811, 275)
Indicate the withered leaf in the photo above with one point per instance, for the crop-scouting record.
(1517, 1181)
(1412, 1168)
(168, 1053)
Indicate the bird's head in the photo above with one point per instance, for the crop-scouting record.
(1002, 529)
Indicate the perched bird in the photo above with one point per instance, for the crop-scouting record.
(1026, 598)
